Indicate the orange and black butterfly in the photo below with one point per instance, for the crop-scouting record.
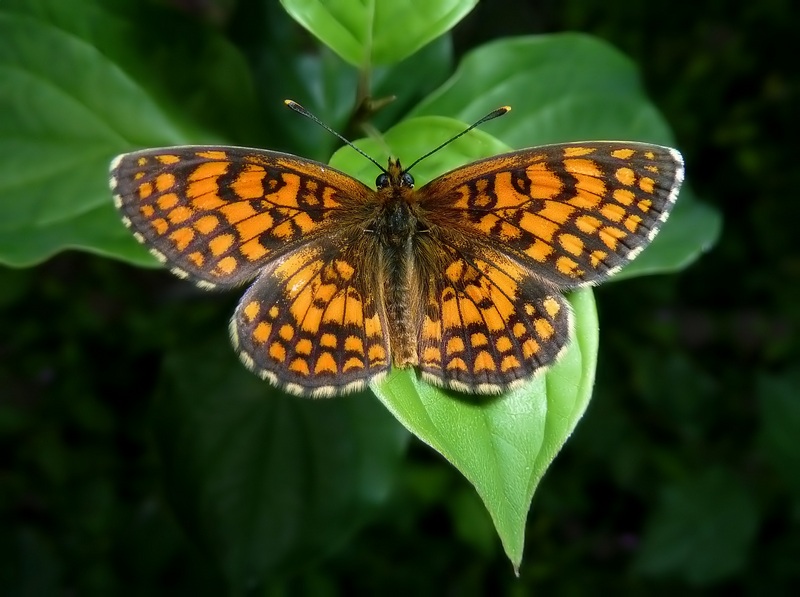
(461, 278)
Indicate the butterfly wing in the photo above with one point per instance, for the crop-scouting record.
(217, 215)
(488, 322)
(311, 322)
(513, 232)
(575, 213)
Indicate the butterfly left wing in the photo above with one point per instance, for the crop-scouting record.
(312, 322)
(574, 213)
(217, 215)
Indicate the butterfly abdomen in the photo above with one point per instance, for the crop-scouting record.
(396, 227)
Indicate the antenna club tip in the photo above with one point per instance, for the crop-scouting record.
(505, 109)
(291, 104)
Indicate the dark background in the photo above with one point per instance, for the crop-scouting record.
(689, 365)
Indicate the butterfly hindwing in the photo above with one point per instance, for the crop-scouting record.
(489, 324)
(575, 213)
(311, 322)
(218, 214)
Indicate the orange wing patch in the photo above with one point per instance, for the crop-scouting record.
(219, 214)
(311, 324)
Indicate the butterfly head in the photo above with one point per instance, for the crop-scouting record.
(394, 177)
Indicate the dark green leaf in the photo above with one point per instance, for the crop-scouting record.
(701, 530)
(264, 481)
(780, 424)
(326, 86)
(283, 69)
(411, 80)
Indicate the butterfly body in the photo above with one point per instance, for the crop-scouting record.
(461, 279)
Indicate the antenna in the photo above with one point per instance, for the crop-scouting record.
(490, 116)
(301, 110)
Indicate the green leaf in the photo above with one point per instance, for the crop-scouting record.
(62, 120)
(413, 138)
(326, 85)
(377, 31)
(779, 410)
(558, 85)
(701, 530)
(97, 230)
(572, 87)
(411, 80)
(693, 228)
(58, 136)
(504, 444)
(264, 481)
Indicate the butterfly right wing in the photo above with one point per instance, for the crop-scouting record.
(217, 215)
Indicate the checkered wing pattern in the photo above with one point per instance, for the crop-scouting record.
(311, 323)
(573, 213)
(489, 323)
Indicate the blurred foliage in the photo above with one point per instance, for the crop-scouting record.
(683, 476)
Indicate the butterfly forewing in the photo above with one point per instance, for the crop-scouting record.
(217, 215)
(574, 213)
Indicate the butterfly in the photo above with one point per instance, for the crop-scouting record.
(462, 279)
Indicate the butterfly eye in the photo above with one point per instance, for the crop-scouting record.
(382, 181)
(407, 180)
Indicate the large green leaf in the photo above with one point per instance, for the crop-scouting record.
(80, 86)
(572, 87)
(377, 31)
(264, 481)
(701, 531)
(779, 409)
(504, 444)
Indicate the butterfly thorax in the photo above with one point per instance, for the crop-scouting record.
(396, 222)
